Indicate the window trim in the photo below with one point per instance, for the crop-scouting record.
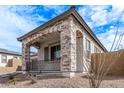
(88, 48)
(3, 55)
(88, 45)
(97, 49)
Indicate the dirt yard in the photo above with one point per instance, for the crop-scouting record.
(76, 82)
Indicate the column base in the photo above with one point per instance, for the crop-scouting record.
(69, 74)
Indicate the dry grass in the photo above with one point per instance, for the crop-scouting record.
(76, 82)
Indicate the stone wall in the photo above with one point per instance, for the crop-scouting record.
(68, 47)
(25, 55)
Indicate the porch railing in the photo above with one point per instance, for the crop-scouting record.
(43, 65)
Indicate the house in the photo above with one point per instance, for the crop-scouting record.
(6, 55)
(64, 44)
(33, 56)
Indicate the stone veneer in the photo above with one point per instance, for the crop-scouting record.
(68, 48)
(25, 55)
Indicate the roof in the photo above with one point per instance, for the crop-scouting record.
(76, 15)
(4, 51)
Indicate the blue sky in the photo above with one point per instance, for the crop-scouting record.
(16, 21)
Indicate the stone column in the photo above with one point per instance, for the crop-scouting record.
(25, 56)
(68, 49)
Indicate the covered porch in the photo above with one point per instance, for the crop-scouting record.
(60, 48)
(48, 52)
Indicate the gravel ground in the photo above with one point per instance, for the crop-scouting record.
(76, 82)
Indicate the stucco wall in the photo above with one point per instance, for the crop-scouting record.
(8, 58)
(86, 35)
(13, 65)
(46, 44)
(2, 64)
(85, 63)
(93, 43)
(79, 53)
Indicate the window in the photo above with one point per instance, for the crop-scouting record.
(88, 48)
(15, 57)
(55, 52)
(96, 50)
(4, 58)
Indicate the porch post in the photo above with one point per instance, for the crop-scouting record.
(25, 56)
(68, 50)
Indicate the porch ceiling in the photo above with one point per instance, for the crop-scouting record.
(48, 37)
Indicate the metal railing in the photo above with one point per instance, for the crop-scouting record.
(43, 65)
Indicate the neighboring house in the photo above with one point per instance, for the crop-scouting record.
(33, 57)
(6, 55)
(64, 44)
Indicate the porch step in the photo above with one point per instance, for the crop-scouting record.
(48, 74)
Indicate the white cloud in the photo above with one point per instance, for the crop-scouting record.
(97, 14)
(107, 37)
(57, 9)
(99, 18)
(115, 13)
(100, 15)
(21, 8)
(122, 19)
(13, 25)
(82, 11)
(38, 17)
(47, 7)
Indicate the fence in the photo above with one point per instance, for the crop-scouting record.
(115, 59)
